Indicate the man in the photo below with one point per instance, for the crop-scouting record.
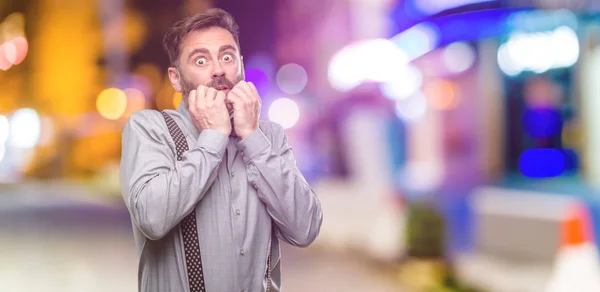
(210, 218)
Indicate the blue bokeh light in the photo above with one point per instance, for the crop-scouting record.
(542, 162)
(260, 80)
(542, 123)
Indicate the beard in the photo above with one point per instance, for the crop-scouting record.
(220, 81)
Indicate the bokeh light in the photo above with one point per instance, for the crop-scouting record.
(506, 63)
(4, 129)
(417, 40)
(442, 94)
(10, 52)
(261, 61)
(566, 46)
(25, 128)
(285, 112)
(5, 64)
(292, 78)
(177, 98)
(21, 49)
(436, 6)
(136, 101)
(47, 131)
(539, 52)
(260, 80)
(542, 162)
(542, 122)
(2, 151)
(378, 60)
(458, 57)
(111, 103)
(413, 108)
(341, 73)
(404, 85)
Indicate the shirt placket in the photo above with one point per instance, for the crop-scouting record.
(233, 185)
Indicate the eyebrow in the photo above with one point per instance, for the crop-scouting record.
(205, 51)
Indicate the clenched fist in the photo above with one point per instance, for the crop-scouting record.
(246, 108)
(208, 110)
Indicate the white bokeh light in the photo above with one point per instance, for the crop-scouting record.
(405, 85)
(417, 40)
(285, 112)
(539, 52)
(458, 57)
(25, 128)
(342, 73)
(381, 60)
(566, 45)
(412, 108)
(378, 60)
(4, 129)
(292, 78)
(505, 62)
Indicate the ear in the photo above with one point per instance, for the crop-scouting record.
(175, 78)
(242, 67)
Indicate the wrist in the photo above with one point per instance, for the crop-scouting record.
(223, 131)
(244, 133)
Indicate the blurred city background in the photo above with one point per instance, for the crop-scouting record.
(454, 144)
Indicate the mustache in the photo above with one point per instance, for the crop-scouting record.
(220, 82)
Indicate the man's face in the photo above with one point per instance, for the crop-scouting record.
(208, 57)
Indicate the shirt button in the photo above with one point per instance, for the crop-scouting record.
(233, 174)
(242, 252)
(238, 211)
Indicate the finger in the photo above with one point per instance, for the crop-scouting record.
(253, 87)
(192, 99)
(201, 90)
(211, 94)
(200, 94)
(234, 99)
(255, 92)
(239, 92)
(220, 97)
(245, 87)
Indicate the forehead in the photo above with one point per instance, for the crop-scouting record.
(211, 38)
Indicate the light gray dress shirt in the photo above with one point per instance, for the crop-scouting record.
(247, 194)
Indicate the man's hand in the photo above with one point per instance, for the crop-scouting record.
(246, 108)
(208, 110)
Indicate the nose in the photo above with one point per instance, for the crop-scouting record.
(218, 70)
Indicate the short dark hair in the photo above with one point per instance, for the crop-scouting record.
(214, 17)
